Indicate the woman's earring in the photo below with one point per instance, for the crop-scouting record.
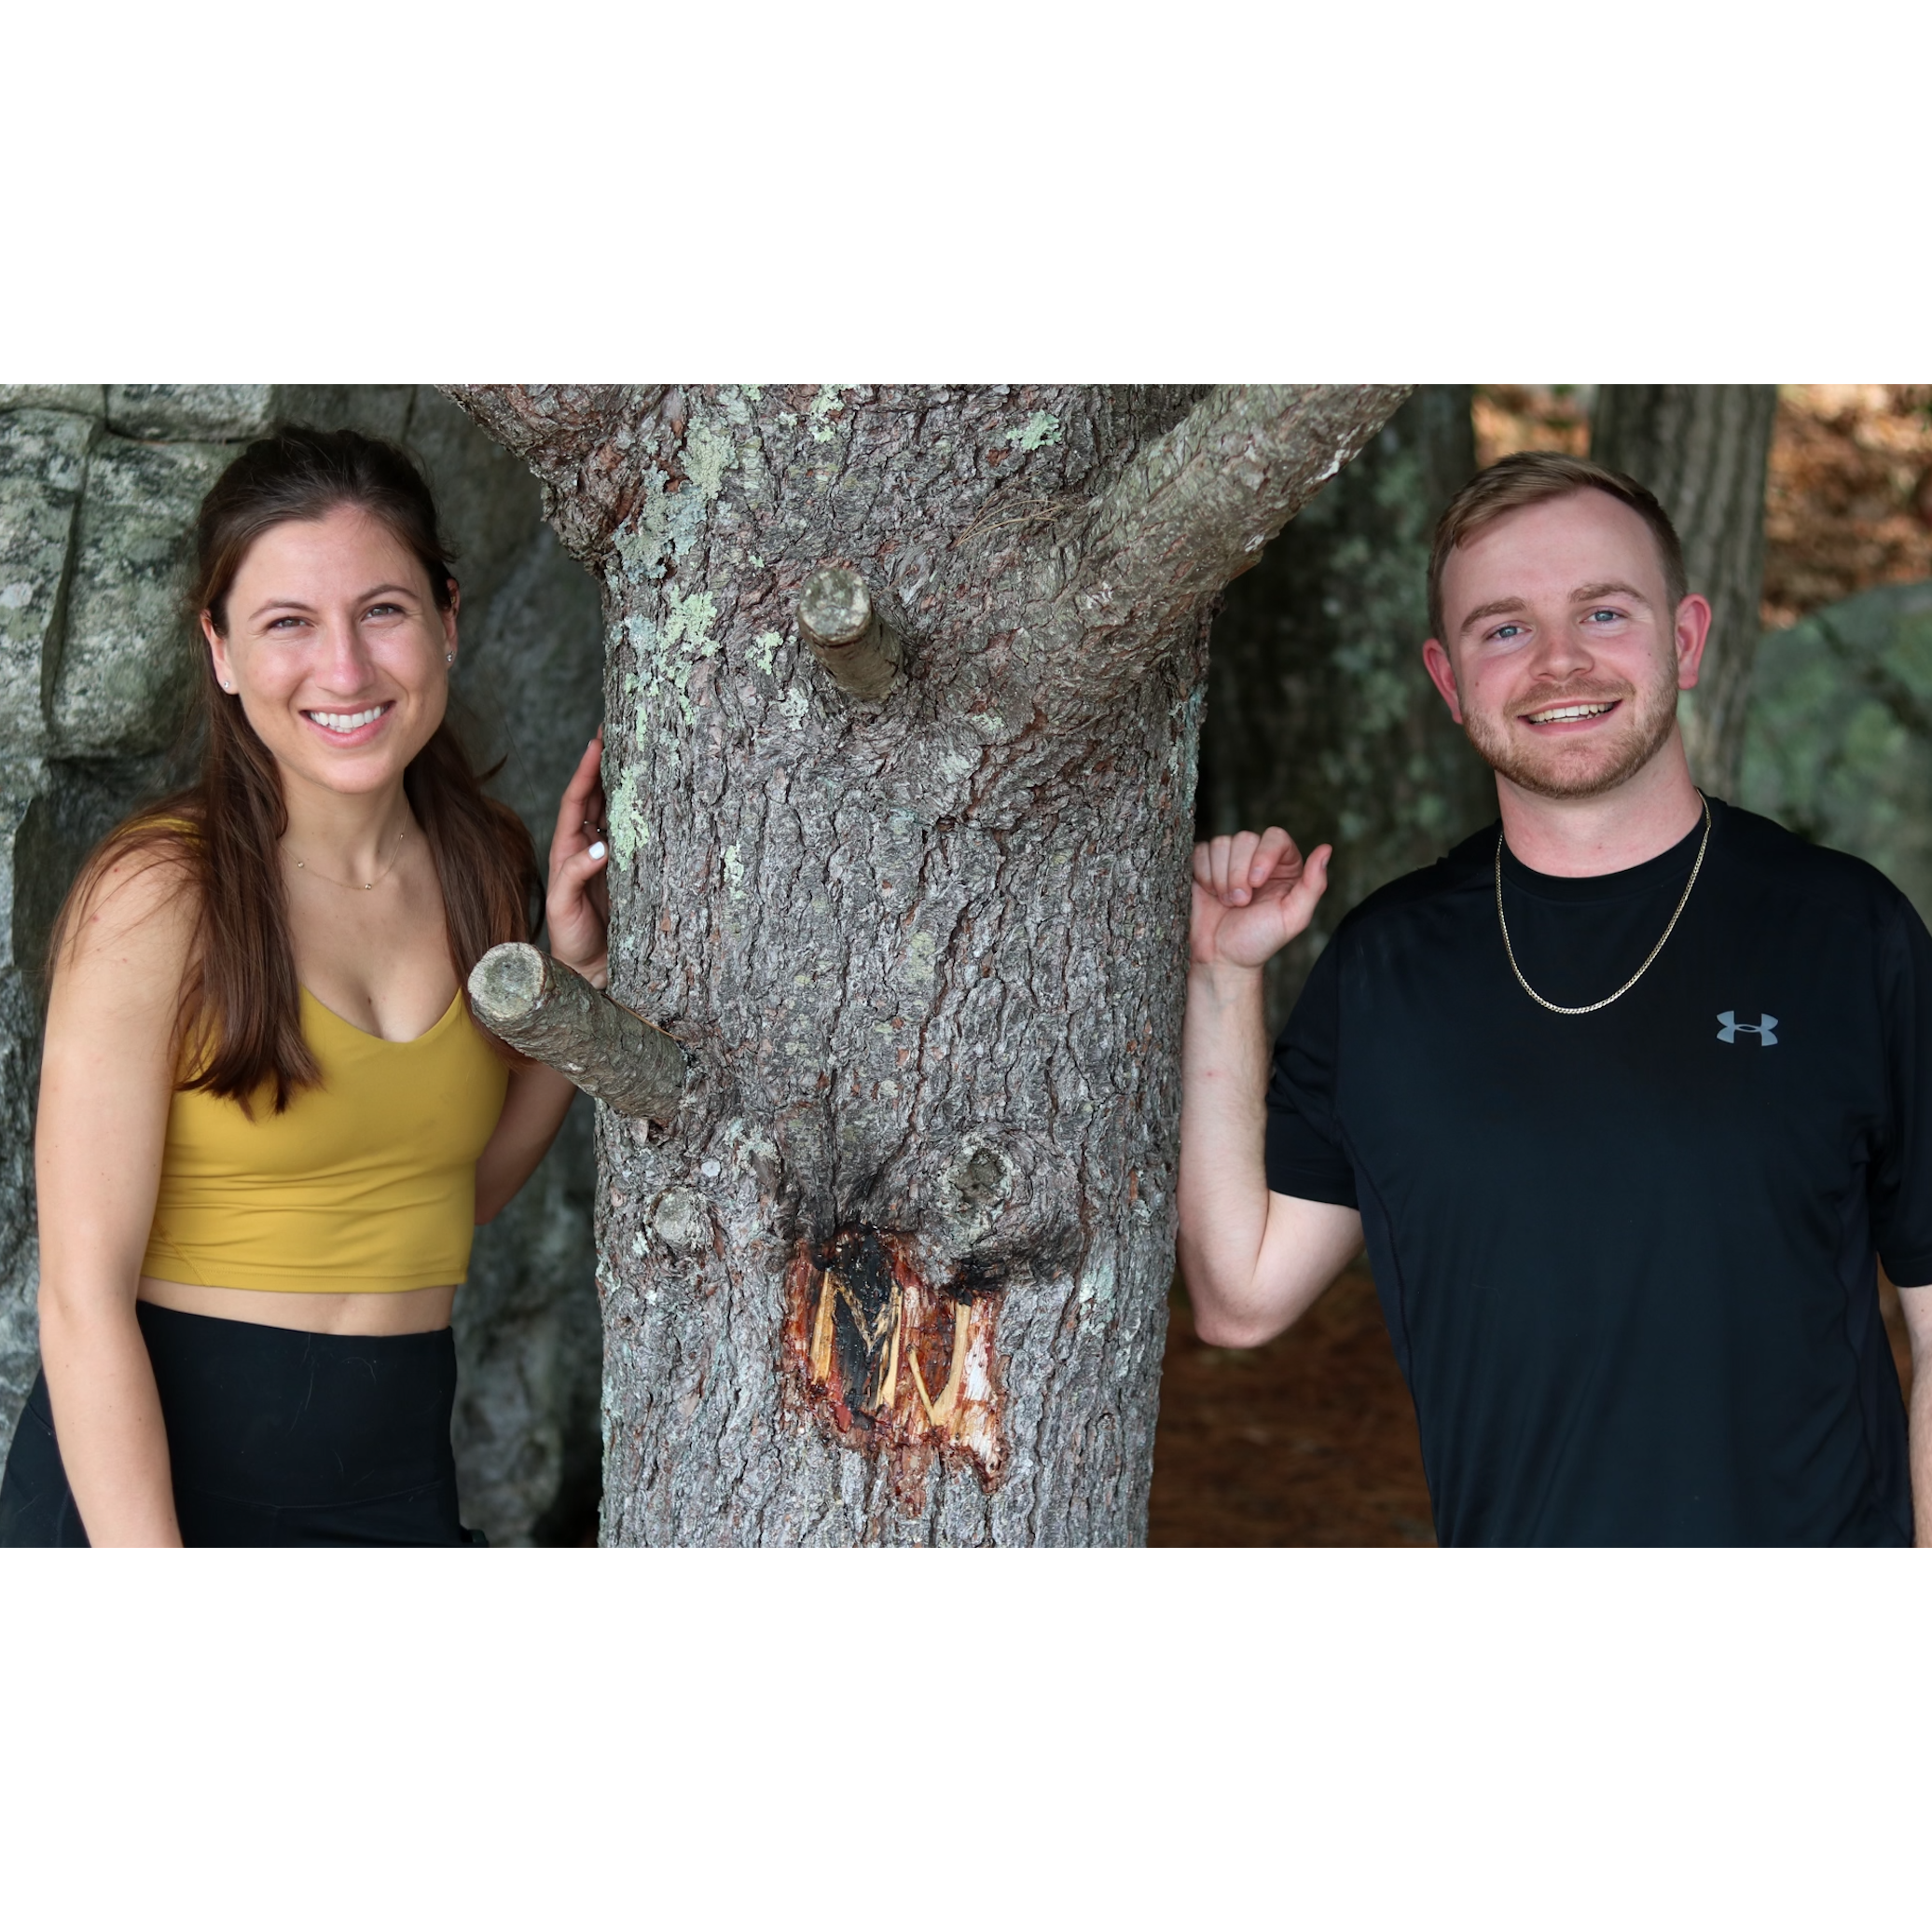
(448, 656)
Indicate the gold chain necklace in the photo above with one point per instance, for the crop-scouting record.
(1597, 1006)
(349, 886)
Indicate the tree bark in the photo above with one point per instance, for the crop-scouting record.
(897, 1271)
(1320, 717)
(1703, 449)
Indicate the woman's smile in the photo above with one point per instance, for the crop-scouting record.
(357, 728)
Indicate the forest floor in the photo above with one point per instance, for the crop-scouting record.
(1312, 1440)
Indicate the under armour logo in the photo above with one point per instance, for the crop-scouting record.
(1766, 1028)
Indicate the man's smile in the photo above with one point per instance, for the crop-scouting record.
(1575, 712)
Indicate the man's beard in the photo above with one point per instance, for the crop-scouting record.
(1542, 771)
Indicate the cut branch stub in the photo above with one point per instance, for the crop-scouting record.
(543, 1009)
(837, 619)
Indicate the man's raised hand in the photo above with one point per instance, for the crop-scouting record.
(1253, 892)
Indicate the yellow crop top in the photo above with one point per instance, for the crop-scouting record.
(366, 1183)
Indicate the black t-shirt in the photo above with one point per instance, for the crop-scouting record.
(1628, 1257)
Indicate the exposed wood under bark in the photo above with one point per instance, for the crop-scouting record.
(907, 1367)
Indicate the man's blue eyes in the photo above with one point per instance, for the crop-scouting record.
(1503, 633)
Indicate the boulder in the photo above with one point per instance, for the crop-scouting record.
(529, 1357)
(1320, 717)
(128, 657)
(43, 464)
(80, 398)
(22, 781)
(193, 412)
(1838, 745)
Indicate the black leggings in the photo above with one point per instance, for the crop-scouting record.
(276, 1436)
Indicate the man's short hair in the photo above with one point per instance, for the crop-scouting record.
(1535, 476)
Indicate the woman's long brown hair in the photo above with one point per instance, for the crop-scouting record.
(241, 1025)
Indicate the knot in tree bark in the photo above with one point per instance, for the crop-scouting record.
(974, 1189)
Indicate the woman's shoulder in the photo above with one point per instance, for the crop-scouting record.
(120, 961)
(137, 898)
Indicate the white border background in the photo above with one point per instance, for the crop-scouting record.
(407, 192)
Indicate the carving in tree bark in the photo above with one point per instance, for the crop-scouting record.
(1702, 449)
(898, 1271)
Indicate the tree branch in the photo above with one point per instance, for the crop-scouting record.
(577, 439)
(838, 624)
(1193, 509)
(543, 1009)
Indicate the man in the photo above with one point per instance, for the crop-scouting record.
(1625, 1095)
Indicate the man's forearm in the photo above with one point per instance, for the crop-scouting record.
(1915, 1305)
(1223, 1192)
(1922, 1455)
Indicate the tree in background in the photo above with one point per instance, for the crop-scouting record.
(903, 689)
(1703, 449)
(1320, 717)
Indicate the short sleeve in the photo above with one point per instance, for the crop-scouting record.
(1900, 1181)
(1304, 1157)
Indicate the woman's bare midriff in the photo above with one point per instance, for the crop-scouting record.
(410, 1311)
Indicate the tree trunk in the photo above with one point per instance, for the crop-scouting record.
(1320, 717)
(1702, 449)
(897, 1271)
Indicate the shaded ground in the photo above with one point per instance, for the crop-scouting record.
(1310, 1441)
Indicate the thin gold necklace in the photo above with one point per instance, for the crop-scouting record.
(349, 885)
(1597, 1006)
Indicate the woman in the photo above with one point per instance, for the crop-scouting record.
(267, 1122)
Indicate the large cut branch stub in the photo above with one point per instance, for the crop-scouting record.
(543, 1009)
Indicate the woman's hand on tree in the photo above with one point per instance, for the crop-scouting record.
(576, 907)
(1253, 892)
